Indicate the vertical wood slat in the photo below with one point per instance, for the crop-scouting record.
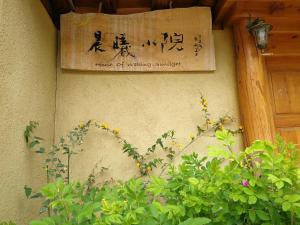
(254, 91)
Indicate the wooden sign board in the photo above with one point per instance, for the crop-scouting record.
(165, 40)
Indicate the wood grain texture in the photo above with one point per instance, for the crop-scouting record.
(238, 9)
(287, 120)
(284, 25)
(284, 73)
(286, 90)
(284, 44)
(254, 92)
(291, 134)
(283, 64)
(159, 54)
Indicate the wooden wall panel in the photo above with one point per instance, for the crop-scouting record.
(284, 44)
(286, 89)
(289, 63)
(291, 134)
(287, 120)
(284, 74)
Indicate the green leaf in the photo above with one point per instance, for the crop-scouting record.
(38, 138)
(140, 210)
(193, 181)
(287, 180)
(196, 221)
(273, 178)
(262, 215)
(252, 200)
(242, 198)
(49, 191)
(36, 195)
(159, 141)
(252, 216)
(218, 152)
(28, 191)
(286, 206)
(279, 184)
(157, 185)
(225, 136)
(262, 196)
(33, 143)
(114, 219)
(248, 191)
(45, 221)
(41, 150)
(292, 198)
(38, 222)
(85, 213)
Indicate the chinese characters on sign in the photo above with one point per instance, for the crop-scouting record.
(120, 43)
(138, 43)
(97, 45)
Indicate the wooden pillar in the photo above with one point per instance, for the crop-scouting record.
(253, 86)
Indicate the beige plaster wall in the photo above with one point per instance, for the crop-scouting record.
(143, 106)
(27, 92)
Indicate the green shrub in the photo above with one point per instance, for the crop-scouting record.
(257, 186)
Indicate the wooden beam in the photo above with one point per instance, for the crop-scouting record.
(264, 9)
(126, 11)
(72, 6)
(82, 9)
(134, 4)
(284, 25)
(52, 12)
(61, 6)
(109, 6)
(284, 44)
(160, 4)
(222, 9)
(254, 91)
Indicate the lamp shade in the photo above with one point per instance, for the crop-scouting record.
(260, 30)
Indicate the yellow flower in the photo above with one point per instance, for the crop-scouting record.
(149, 169)
(138, 164)
(174, 143)
(204, 102)
(227, 119)
(116, 131)
(192, 137)
(208, 121)
(104, 126)
(81, 125)
(179, 146)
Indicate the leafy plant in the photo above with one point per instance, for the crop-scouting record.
(257, 186)
(58, 168)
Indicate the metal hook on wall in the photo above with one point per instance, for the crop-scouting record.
(100, 6)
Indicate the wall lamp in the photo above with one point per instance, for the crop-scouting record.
(260, 31)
